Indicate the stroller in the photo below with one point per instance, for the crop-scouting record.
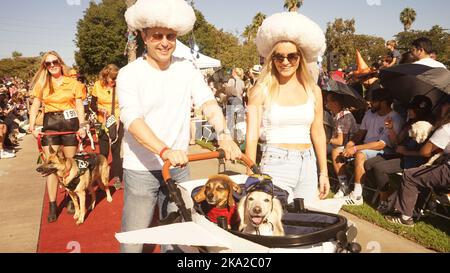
(306, 231)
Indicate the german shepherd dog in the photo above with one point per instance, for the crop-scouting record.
(78, 175)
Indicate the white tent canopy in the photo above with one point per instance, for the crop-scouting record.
(200, 60)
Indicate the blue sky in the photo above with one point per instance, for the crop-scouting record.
(32, 26)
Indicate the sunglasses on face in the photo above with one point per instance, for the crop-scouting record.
(158, 37)
(52, 63)
(291, 57)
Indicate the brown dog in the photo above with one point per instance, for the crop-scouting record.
(78, 175)
(218, 192)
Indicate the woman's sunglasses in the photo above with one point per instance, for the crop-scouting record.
(158, 37)
(52, 63)
(291, 57)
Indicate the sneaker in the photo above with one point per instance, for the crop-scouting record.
(4, 154)
(353, 200)
(20, 136)
(398, 220)
(383, 207)
(339, 194)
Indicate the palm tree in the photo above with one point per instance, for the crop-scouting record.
(132, 42)
(252, 29)
(293, 5)
(407, 17)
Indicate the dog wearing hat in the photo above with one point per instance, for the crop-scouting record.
(260, 211)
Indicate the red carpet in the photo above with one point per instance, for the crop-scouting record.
(95, 235)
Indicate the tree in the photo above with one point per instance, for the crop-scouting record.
(100, 37)
(371, 47)
(407, 17)
(293, 5)
(16, 54)
(252, 29)
(339, 37)
(23, 68)
(132, 44)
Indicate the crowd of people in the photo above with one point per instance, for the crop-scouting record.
(282, 104)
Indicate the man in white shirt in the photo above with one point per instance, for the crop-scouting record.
(374, 138)
(155, 97)
(422, 49)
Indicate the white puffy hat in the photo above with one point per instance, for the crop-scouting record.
(174, 14)
(294, 27)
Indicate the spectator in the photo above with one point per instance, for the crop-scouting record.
(435, 177)
(407, 58)
(372, 139)
(394, 54)
(344, 128)
(235, 112)
(421, 50)
(407, 154)
(3, 134)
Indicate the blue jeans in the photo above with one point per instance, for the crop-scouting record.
(142, 191)
(292, 170)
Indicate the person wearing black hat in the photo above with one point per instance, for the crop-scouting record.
(373, 138)
(407, 154)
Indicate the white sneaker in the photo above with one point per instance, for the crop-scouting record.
(4, 154)
(353, 200)
(339, 194)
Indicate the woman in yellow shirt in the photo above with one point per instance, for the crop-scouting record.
(102, 104)
(62, 98)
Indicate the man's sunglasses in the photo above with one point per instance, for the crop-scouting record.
(54, 63)
(158, 37)
(291, 57)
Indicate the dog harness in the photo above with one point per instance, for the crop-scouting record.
(229, 213)
(84, 162)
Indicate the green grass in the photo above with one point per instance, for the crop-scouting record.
(430, 232)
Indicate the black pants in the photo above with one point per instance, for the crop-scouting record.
(378, 170)
(417, 178)
(116, 165)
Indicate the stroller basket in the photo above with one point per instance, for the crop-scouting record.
(301, 229)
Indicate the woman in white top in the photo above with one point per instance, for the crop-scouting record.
(288, 103)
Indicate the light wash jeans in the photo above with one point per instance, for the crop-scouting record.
(142, 191)
(292, 170)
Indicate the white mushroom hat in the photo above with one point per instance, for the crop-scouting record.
(294, 27)
(174, 14)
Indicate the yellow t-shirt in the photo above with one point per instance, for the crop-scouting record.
(104, 100)
(63, 97)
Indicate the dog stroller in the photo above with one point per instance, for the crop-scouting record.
(305, 230)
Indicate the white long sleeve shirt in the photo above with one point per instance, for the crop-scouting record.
(163, 99)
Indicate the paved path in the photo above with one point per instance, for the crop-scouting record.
(23, 189)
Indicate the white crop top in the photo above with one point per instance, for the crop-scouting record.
(289, 124)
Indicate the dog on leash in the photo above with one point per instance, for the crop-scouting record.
(420, 132)
(218, 193)
(261, 214)
(78, 175)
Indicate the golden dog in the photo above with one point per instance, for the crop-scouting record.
(218, 192)
(77, 176)
(261, 214)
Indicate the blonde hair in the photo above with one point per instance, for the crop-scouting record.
(109, 71)
(239, 72)
(43, 78)
(268, 78)
(392, 43)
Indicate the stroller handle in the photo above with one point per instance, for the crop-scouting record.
(219, 154)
